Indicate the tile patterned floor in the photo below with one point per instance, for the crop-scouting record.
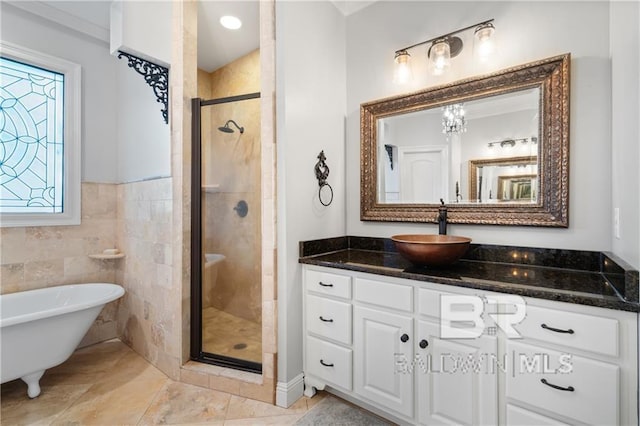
(109, 384)
(221, 332)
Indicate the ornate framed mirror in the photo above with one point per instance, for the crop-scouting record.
(495, 148)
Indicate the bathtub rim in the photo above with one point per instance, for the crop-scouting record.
(100, 298)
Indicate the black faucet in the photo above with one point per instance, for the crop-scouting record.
(442, 218)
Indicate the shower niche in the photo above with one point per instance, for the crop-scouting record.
(226, 246)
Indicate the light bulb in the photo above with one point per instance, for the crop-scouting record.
(484, 43)
(439, 57)
(402, 73)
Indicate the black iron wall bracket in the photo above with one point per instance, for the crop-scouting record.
(155, 75)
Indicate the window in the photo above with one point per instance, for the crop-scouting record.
(39, 139)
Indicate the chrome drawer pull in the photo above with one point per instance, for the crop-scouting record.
(567, 389)
(325, 320)
(325, 364)
(557, 330)
(325, 285)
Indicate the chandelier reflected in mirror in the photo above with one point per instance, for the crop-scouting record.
(453, 121)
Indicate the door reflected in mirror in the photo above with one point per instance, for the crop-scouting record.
(426, 155)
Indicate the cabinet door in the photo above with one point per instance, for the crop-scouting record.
(457, 378)
(382, 348)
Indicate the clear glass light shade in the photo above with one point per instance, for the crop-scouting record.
(484, 45)
(453, 120)
(402, 73)
(439, 57)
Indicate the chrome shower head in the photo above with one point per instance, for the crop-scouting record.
(227, 129)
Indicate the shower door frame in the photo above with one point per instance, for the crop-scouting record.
(197, 354)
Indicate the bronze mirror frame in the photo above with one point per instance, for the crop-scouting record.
(551, 76)
(485, 162)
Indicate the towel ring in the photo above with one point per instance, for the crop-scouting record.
(320, 194)
(322, 172)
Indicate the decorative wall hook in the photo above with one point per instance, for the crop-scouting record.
(155, 75)
(322, 172)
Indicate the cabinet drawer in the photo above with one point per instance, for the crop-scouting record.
(329, 318)
(389, 295)
(327, 283)
(329, 362)
(586, 332)
(429, 301)
(517, 416)
(590, 392)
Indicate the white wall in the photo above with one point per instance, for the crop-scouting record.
(310, 82)
(99, 96)
(527, 31)
(143, 142)
(124, 137)
(625, 127)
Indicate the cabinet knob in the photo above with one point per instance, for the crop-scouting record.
(325, 284)
(423, 343)
(404, 338)
(325, 319)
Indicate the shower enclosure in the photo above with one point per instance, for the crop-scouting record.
(226, 319)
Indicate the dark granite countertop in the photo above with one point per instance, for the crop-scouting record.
(582, 277)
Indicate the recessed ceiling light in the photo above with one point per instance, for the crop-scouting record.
(230, 22)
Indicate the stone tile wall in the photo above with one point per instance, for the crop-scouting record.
(46, 256)
(149, 315)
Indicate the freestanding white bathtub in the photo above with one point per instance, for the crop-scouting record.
(40, 329)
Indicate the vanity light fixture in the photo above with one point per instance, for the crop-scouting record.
(402, 69)
(484, 42)
(443, 48)
(512, 142)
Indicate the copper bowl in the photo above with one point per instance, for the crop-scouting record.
(430, 249)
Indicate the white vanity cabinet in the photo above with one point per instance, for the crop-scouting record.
(328, 330)
(575, 365)
(383, 332)
(377, 341)
(383, 340)
(457, 384)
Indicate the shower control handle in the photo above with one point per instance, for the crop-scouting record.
(325, 320)
(325, 285)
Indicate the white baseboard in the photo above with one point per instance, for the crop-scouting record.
(289, 392)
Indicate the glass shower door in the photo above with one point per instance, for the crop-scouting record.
(229, 232)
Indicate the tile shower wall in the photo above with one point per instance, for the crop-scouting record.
(45, 256)
(149, 317)
(232, 162)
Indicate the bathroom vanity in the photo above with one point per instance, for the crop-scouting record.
(374, 334)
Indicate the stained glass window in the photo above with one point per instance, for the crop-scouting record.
(31, 138)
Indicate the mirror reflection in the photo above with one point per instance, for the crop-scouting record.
(479, 151)
(419, 147)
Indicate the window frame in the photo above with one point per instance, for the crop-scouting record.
(72, 107)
